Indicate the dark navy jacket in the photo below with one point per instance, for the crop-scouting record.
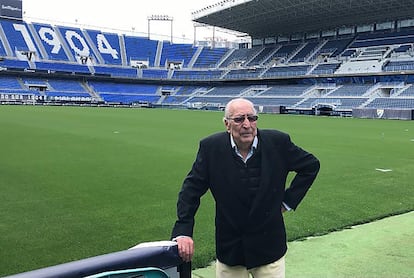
(246, 235)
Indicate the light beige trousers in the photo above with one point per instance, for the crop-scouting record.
(272, 270)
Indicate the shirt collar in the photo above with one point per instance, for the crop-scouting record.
(253, 147)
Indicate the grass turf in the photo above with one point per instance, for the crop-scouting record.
(78, 182)
(380, 249)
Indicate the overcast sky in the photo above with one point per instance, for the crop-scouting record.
(126, 15)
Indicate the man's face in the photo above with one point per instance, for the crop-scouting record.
(241, 123)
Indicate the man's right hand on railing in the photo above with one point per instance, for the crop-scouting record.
(185, 247)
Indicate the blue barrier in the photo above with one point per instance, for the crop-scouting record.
(149, 259)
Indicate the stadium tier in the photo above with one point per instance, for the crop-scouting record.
(59, 64)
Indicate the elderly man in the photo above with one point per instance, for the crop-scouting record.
(246, 170)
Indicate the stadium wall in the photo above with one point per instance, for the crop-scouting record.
(394, 114)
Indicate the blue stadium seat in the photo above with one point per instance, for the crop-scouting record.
(76, 42)
(18, 35)
(50, 42)
(140, 49)
(176, 53)
(107, 45)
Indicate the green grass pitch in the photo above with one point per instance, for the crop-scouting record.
(78, 182)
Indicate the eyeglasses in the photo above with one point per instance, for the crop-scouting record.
(240, 119)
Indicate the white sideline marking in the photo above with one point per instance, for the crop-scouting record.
(383, 170)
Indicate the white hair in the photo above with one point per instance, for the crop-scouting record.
(235, 100)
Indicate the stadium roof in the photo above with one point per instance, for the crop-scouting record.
(267, 18)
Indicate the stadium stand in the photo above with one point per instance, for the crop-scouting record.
(343, 69)
(107, 47)
(209, 57)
